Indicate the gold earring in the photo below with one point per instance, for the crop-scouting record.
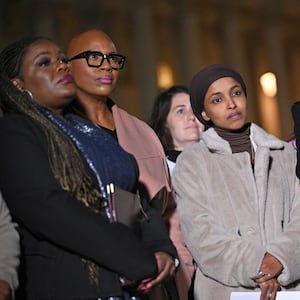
(28, 93)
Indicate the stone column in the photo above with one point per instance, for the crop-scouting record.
(190, 43)
(278, 65)
(269, 29)
(144, 62)
(235, 53)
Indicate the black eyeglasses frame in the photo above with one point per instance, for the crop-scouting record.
(86, 55)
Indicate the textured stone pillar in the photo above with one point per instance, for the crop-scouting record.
(144, 62)
(276, 55)
(190, 41)
(270, 29)
(235, 54)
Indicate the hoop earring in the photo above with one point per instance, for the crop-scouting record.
(28, 93)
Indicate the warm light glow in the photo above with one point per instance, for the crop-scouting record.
(164, 76)
(269, 84)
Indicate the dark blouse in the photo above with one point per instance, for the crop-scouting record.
(107, 159)
(172, 155)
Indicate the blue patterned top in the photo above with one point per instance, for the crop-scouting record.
(107, 159)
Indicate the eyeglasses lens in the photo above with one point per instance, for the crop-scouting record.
(116, 61)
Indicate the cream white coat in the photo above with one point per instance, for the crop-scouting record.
(231, 216)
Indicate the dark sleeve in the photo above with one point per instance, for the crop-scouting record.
(155, 232)
(38, 203)
(296, 118)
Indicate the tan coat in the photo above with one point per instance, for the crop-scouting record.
(137, 138)
(231, 217)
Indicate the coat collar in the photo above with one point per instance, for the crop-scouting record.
(259, 137)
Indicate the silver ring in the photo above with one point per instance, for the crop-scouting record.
(269, 295)
(261, 274)
(269, 275)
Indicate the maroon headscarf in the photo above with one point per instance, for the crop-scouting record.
(202, 81)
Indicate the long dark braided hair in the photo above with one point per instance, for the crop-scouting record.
(65, 160)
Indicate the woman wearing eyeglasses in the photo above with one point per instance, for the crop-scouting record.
(54, 170)
(95, 65)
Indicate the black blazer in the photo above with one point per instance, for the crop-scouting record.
(57, 231)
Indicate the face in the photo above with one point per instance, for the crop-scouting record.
(184, 127)
(45, 73)
(92, 82)
(225, 104)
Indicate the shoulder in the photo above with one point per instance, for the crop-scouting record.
(15, 120)
(281, 151)
(264, 139)
(128, 117)
(14, 126)
(123, 117)
(193, 155)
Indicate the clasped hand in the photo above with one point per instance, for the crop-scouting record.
(166, 268)
(266, 279)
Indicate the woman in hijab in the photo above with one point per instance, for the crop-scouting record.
(237, 196)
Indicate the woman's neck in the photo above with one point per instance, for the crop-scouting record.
(97, 111)
(239, 140)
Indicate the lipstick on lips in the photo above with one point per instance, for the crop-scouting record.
(66, 79)
(105, 79)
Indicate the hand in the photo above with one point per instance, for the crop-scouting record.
(5, 291)
(270, 268)
(269, 289)
(166, 268)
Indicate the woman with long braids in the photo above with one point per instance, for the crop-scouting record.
(53, 176)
